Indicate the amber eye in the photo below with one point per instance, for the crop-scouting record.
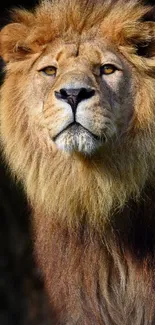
(49, 71)
(108, 69)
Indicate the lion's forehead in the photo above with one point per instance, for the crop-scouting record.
(84, 53)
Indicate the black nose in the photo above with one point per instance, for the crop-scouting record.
(74, 96)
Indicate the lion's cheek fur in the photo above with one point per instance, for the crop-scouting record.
(72, 186)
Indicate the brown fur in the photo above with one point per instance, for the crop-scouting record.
(93, 215)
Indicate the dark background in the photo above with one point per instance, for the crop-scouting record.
(22, 297)
(6, 5)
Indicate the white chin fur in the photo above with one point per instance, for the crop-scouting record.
(82, 142)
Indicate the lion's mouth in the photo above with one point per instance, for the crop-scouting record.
(76, 128)
(77, 138)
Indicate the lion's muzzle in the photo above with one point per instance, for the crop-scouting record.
(73, 96)
(76, 136)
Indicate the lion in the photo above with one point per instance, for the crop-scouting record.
(77, 128)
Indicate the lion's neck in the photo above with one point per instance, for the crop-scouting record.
(75, 188)
(99, 278)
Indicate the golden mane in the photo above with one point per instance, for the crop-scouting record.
(84, 205)
(50, 20)
(99, 187)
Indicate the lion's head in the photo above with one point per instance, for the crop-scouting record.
(78, 103)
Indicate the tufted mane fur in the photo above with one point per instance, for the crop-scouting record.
(51, 20)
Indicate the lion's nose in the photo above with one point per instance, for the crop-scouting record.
(74, 96)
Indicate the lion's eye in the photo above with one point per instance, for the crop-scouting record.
(49, 71)
(108, 69)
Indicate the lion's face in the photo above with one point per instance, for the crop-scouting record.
(77, 91)
(78, 101)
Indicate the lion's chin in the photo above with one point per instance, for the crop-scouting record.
(78, 139)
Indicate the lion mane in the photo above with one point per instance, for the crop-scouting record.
(92, 196)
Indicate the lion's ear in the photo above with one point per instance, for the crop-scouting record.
(145, 44)
(142, 34)
(13, 42)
